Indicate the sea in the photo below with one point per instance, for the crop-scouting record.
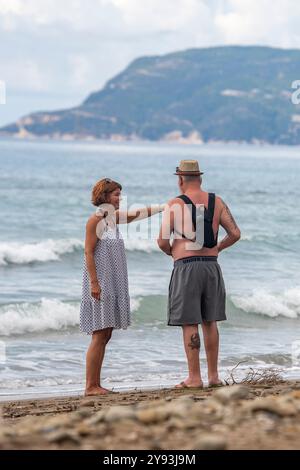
(45, 201)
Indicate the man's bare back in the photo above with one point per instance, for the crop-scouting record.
(181, 219)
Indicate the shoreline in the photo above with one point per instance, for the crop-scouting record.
(254, 416)
(39, 396)
(182, 143)
(35, 395)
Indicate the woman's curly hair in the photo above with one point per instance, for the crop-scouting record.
(102, 189)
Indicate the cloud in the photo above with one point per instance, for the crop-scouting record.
(75, 46)
(29, 77)
(268, 22)
(234, 20)
(81, 70)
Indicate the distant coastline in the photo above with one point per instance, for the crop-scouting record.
(174, 139)
(206, 95)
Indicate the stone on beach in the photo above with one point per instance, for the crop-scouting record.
(210, 442)
(117, 413)
(61, 437)
(227, 418)
(279, 406)
(232, 393)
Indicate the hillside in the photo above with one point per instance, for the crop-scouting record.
(215, 94)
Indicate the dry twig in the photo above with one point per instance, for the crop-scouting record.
(270, 376)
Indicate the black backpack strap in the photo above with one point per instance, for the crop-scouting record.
(189, 202)
(211, 207)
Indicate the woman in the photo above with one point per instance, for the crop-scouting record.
(105, 303)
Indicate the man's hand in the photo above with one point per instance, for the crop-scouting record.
(166, 229)
(168, 250)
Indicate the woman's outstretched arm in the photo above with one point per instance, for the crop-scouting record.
(126, 217)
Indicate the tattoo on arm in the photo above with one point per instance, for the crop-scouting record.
(195, 341)
(230, 216)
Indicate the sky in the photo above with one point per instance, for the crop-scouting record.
(54, 53)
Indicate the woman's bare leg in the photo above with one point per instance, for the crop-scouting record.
(108, 337)
(94, 360)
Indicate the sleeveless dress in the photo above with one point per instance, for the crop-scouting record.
(113, 310)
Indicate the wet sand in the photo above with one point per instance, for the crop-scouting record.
(231, 417)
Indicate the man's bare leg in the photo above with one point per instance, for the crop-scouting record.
(94, 360)
(191, 340)
(211, 343)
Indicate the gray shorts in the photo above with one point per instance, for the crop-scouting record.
(196, 292)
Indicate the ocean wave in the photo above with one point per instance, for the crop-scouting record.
(247, 238)
(135, 303)
(19, 253)
(285, 304)
(260, 237)
(145, 246)
(15, 384)
(46, 315)
(149, 311)
(44, 251)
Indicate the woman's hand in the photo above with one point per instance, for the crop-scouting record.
(95, 290)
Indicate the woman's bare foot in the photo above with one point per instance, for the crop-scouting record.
(95, 391)
(106, 389)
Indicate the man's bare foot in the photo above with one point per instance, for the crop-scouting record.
(215, 384)
(190, 384)
(96, 391)
(214, 381)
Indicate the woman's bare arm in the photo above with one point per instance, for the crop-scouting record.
(126, 217)
(89, 250)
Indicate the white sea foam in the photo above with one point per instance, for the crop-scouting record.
(286, 303)
(246, 238)
(47, 250)
(135, 303)
(259, 237)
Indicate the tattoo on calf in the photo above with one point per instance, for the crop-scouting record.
(195, 341)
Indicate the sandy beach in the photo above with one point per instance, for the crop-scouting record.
(260, 416)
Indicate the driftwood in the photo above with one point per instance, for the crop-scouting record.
(269, 376)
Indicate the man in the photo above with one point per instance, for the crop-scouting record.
(196, 291)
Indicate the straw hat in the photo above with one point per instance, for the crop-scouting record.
(188, 168)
